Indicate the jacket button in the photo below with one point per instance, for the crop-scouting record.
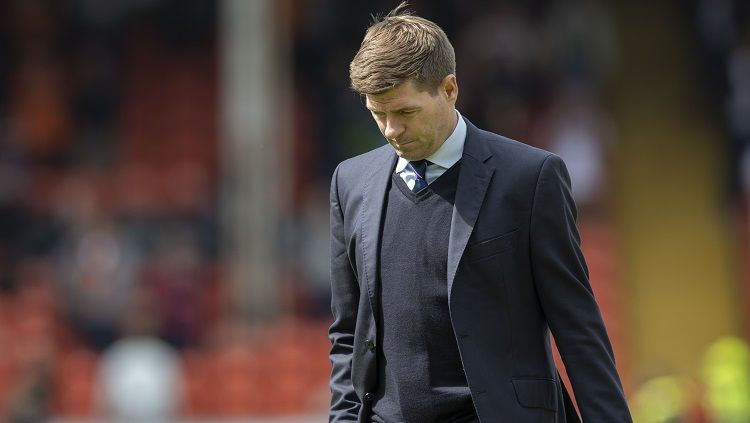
(370, 345)
(368, 396)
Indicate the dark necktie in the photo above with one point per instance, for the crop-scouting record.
(420, 169)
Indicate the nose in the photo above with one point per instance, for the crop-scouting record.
(393, 129)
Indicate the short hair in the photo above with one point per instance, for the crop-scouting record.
(401, 47)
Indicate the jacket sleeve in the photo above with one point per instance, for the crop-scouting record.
(561, 278)
(345, 403)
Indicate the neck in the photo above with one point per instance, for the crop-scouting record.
(452, 117)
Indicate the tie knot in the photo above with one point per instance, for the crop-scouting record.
(420, 168)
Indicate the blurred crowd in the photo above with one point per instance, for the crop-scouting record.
(108, 160)
(110, 281)
(720, 30)
(109, 246)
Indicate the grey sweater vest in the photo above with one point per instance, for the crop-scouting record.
(420, 378)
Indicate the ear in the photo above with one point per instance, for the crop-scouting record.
(449, 87)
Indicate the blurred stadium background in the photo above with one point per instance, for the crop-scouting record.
(164, 169)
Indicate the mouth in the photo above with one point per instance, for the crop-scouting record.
(402, 143)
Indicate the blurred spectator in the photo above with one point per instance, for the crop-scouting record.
(30, 397)
(726, 375)
(715, 30)
(738, 107)
(14, 219)
(306, 267)
(579, 42)
(722, 32)
(498, 50)
(179, 280)
(96, 262)
(140, 376)
(140, 381)
(31, 343)
(668, 399)
(578, 129)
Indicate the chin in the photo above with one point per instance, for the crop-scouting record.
(410, 157)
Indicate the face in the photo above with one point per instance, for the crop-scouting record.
(415, 123)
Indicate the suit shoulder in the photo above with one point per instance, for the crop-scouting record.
(357, 162)
(355, 170)
(516, 151)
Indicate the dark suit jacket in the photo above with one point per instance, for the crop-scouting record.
(515, 272)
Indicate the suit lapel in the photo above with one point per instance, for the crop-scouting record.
(473, 179)
(373, 201)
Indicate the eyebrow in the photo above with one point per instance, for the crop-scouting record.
(402, 109)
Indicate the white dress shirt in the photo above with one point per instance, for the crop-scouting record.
(441, 160)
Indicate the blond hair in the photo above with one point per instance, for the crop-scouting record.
(401, 47)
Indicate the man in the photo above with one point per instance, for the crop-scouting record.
(448, 274)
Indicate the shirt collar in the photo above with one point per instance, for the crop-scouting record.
(449, 153)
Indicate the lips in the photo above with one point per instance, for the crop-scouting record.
(403, 143)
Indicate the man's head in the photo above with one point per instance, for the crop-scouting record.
(401, 47)
(406, 68)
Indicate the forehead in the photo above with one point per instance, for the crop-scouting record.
(402, 96)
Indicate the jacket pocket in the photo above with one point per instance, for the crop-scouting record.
(536, 393)
(492, 246)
